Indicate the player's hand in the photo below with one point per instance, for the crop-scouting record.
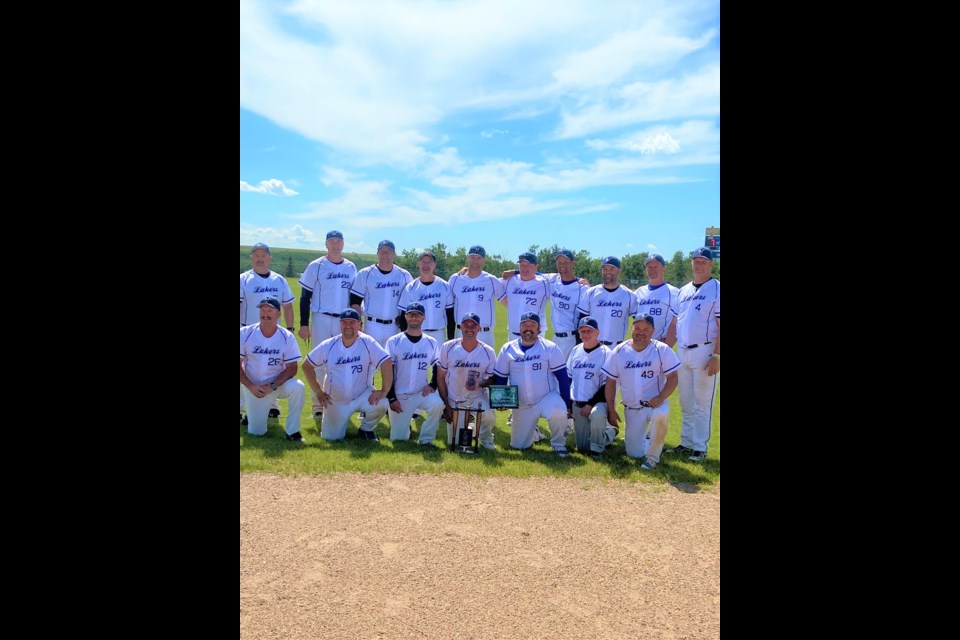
(448, 414)
(584, 282)
(713, 366)
(464, 271)
(261, 390)
(322, 398)
(395, 406)
(376, 397)
(304, 333)
(655, 401)
(585, 411)
(613, 418)
(427, 390)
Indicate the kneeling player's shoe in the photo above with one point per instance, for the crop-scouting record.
(274, 413)
(241, 418)
(296, 437)
(245, 421)
(317, 415)
(488, 445)
(697, 456)
(648, 466)
(563, 453)
(369, 435)
(680, 450)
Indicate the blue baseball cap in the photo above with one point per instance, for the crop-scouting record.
(260, 245)
(334, 234)
(350, 314)
(565, 253)
(470, 317)
(646, 318)
(657, 257)
(529, 257)
(431, 254)
(387, 243)
(588, 322)
(477, 250)
(611, 261)
(416, 307)
(532, 317)
(270, 302)
(702, 252)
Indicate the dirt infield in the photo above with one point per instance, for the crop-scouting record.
(355, 557)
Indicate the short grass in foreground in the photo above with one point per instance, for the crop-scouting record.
(274, 454)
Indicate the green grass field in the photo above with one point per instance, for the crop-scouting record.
(274, 454)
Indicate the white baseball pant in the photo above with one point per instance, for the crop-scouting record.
(400, 422)
(258, 408)
(566, 344)
(440, 335)
(336, 417)
(525, 419)
(378, 331)
(635, 436)
(697, 391)
(322, 327)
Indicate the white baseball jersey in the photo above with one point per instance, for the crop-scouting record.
(476, 295)
(661, 303)
(380, 292)
(412, 362)
(699, 310)
(525, 296)
(565, 299)
(435, 298)
(642, 374)
(611, 309)
(241, 302)
(586, 371)
(266, 358)
(255, 288)
(465, 369)
(531, 370)
(330, 283)
(350, 370)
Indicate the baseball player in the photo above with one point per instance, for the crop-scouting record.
(477, 292)
(524, 293)
(377, 288)
(434, 294)
(326, 292)
(611, 304)
(464, 364)
(255, 285)
(351, 360)
(414, 356)
(647, 372)
(658, 299)
(588, 391)
(268, 370)
(698, 336)
(528, 362)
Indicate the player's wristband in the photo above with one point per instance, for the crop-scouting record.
(290, 329)
(715, 355)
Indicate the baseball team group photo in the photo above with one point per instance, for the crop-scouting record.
(551, 363)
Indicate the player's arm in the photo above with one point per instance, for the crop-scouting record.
(673, 379)
(451, 324)
(310, 375)
(288, 315)
(610, 391)
(306, 296)
(671, 337)
(713, 364)
(289, 371)
(386, 375)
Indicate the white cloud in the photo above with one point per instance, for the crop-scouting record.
(493, 132)
(271, 187)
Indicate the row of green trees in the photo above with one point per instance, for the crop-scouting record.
(633, 273)
(292, 262)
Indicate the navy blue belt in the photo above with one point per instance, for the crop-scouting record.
(643, 404)
(609, 344)
(483, 329)
(694, 346)
(560, 335)
(378, 321)
(332, 315)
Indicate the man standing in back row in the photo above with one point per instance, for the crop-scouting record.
(434, 294)
(378, 289)
(326, 292)
(611, 304)
(658, 299)
(698, 334)
(477, 292)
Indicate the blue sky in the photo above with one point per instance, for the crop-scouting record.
(591, 125)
